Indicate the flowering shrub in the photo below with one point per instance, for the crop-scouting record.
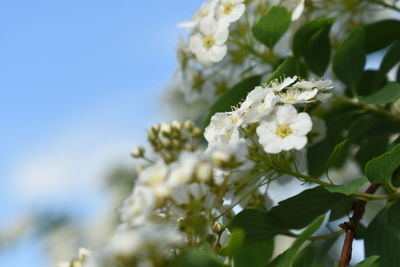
(285, 103)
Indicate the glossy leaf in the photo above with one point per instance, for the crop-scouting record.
(368, 262)
(255, 255)
(258, 225)
(287, 259)
(270, 27)
(349, 59)
(383, 236)
(347, 189)
(286, 69)
(379, 170)
(380, 34)
(385, 95)
(298, 211)
(312, 41)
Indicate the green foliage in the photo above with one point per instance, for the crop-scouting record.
(383, 236)
(312, 42)
(380, 170)
(286, 69)
(387, 94)
(349, 59)
(232, 97)
(298, 211)
(258, 225)
(347, 189)
(288, 258)
(391, 58)
(368, 262)
(337, 153)
(381, 34)
(315, 254)
(270, 28)
(255, 255)
(195, 258)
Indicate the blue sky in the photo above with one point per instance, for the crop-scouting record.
(80, 82)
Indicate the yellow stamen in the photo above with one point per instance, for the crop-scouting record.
(283, 130)
(228, 7)
(208, 41)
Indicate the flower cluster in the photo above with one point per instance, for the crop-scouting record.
(209, 29)
(181, 202)
(280, 126)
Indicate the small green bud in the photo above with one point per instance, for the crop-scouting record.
(138, 152)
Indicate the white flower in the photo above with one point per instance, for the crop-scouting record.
(223, 128)
(320, 85)
(230, 10)
(206, 9)
(277, 86)
(209, 43)
(285, 130)
(154, 176)
(259, 103)
(145, 240)
(182, 170)
(138, 207)
(296, 96)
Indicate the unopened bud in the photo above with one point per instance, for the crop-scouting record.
(138, 152)
(218, 228)
(188, 125)
(176, 125)
(196, 132)
(165, 129)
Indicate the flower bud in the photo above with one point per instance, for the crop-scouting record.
(138, 152)
(188, 125)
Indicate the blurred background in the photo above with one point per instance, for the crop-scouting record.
(80, 82)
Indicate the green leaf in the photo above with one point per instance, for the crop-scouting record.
(337, 121)
(235, 244)
(319, 52)
(379, 170)
(349, 59)
(337, 152)
(312, 41)
(391, 58)
(258, 225)
(195, 258)
(298, 211)
(303, 35)
(315, 254)
(368, 262)
(371, 81)
(270, 27)
(386, 95)
(383, 236)
(286, 69)
(380, 34)
(288, 257)
(232, 97)
(255, 255)
(347, 189)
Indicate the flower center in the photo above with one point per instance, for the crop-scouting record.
(228, 7)
(208, 41)
(283, 130)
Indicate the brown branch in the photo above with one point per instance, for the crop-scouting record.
(350, 227)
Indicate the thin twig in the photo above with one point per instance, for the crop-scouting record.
(350, 227)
